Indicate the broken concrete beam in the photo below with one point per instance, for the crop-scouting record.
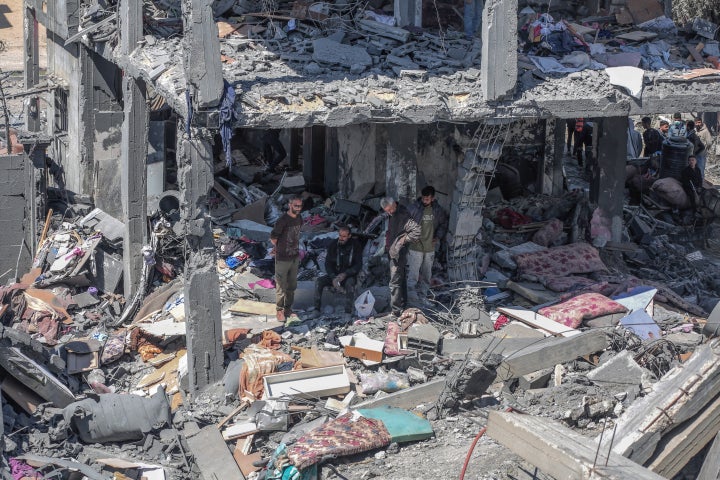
(559, 451)
(35, 377)
(330, 51)
(711, 466)
(384, 30)
(404, 62)
(459, 347)
(551, 351)
(683, 443)
(212, 455)
(535, 380)
(678, 396)
(622, 369)
(498, 67)
(408, 398)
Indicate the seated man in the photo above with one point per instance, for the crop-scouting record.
(342, 264)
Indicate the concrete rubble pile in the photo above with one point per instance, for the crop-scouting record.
(299, 55)
(558, 329)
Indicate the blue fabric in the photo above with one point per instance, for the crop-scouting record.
(227, 118)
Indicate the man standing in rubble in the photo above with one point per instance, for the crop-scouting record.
(698, 147)
(285, 237)
(402, 231)
(691, 180)
(652, 138)
(343, 262)
(705, 136)
(432, 219)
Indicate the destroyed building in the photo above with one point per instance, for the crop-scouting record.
(150, 126)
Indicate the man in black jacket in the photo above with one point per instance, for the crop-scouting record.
(652, 138)
(402, 230)
(342, 264)
(433, 225)
(691, 180)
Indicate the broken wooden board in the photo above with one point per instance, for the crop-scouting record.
(35, 377)
(253, 307)
(637, 36)
(548, 352)
(245, 461)
(697, 73)
(254, 323)
(678, 396)
(683, 443)
(51, 300)
(225, 29)
(559, 451)
(239, 430)
(166, 374)
(314, 358)
(536, 320)
(212, 455)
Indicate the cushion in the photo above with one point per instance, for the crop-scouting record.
(559, 262)
(583, 307)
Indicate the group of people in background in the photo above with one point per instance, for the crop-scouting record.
(412, 236)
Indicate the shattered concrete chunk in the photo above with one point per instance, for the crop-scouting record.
(332, 52)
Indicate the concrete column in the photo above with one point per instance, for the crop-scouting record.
(31, 46)
(551, 169)
(133, 152)
(203, 68)
(332, 161)
(408, 12)
(607, 187)
(498, 65)
(202, 289)
(401, 169)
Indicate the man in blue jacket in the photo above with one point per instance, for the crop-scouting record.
(432, 219)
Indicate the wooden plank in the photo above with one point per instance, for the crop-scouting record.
(682, 444)
(559, 451)
(697, 73)
(253, 307)
(549, 352)
(580, 30)
(536, 320)
(678, 396)
(711, 466)
(212, 455)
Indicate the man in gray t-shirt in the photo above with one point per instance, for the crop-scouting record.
(285, 237)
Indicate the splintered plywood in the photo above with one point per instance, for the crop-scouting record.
(166, 374)
(253, 307)
(644, 10)
(212, 455)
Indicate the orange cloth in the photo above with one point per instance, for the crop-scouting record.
(259, 361)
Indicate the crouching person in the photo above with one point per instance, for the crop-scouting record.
(342, 265)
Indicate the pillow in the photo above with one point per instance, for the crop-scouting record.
(583, 307)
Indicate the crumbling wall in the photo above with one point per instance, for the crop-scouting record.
(63, 63)
(356, 151)
(13, 197)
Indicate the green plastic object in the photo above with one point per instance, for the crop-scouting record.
(402, 425)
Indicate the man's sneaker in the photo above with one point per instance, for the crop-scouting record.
(281, 316)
